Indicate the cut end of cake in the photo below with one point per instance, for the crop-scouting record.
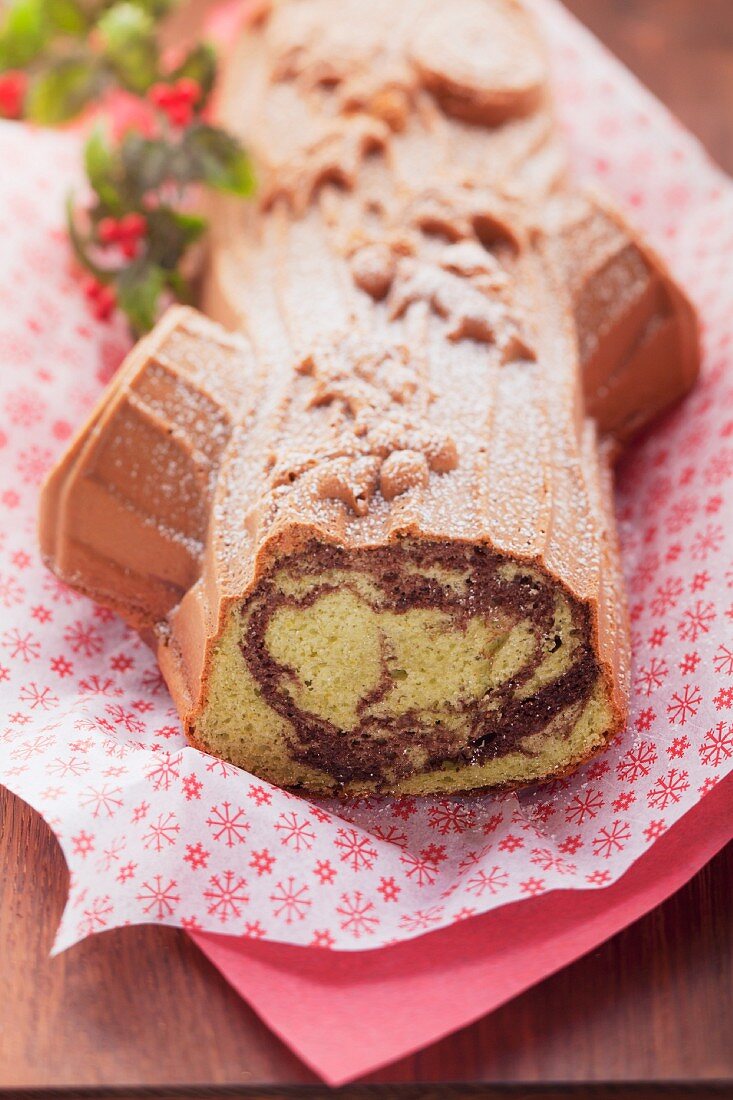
(420, 668)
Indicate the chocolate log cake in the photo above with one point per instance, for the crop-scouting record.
(370, 531)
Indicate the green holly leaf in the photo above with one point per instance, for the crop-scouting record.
(68, 17)
(79, 244)
(101, 165)
(217, 158)
(62, 91)
(199, 65)
(128, 36)
(170, 234)
(145, 165)
(139, 288)
(23, 34)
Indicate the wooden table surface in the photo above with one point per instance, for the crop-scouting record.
(141, 1012)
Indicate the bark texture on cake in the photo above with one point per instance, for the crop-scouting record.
(371, 534)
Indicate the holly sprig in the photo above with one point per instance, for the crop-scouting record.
(133, 237)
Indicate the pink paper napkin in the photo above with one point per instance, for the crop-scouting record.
(156, 831)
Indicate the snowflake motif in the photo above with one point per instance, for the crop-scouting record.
(493, 881)
(700, 581)
(222, 767)
(696, 621)
(668, 789)
(96, 916)
(404, 807)
(645, 719)
(679, 746)
(72, 766)
(510, 843)
(290, 902)
(325, 872)
(124, 718)
(681, 514)
(358, 915)
(389, 889)
(717, 745)
(667, 596)
(262, 862)
(684, 705)
(719, 468)
(611, 838)
(161, 900)
(654, 829)
(95, 685)
(571, 845)
(421, 870)
(61, 666)
(126, 872)
(658, 637)
(391, 834)
(83, 639)
(723, 700)
(58, 591)
(355, 849)
(226, 896)
(320, 815)
(492, 823)
(637, 762)
(25, 646)
(111, 855)
(196, 856)
(259, 795)
(139, 812)
(83, 844)
(585, 805)
(689, 663)
(532, 886)
(421, 919)
(24, 407)
(192, 786)
(548, 861)
(163, 773)
(38, 697)
(723, 660)
(707, 542)
(105, 800)
(451, 817)
(322, 938)
(33, 747)
(651, 677)
(598, 878)
(296, 833)
(162, 832)
(229, 824)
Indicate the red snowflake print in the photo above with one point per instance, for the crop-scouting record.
(451, 817)
(654, 829)
(571, 844)
(681, 514)
(95, 685)
(24, 407)
(548, 861)
(532, 886)
(668, 789)
(689, 663)
(611, 839)
(422, 871)
(708, 785)
(153, 681)
(492, 824)
(707, 542)
(253, 930)
(166, 732)
(585, 805)
(696, 621)
(679, 746)
(673, 554)
(321, 815)
(111, 855)
(322, 938)
(71, 766)
(637, 762)
(262, 862)
(228, 824)
(422, 919)
(139, 812)
(492, 881)
(196, 856)
(717, 745)
(62, 667)
(192, 786)
(83, 844)
(391, 834)
(161, 900)
(165, 771)
(720, 467)
(651, 676)
(389, 889)
(723, 660)
(84, 639)
(259, 795)
(658, 637)
(510, 843)
(325, 872)
(435, 852)
(121, 662)
(646, 571)
(645, 719)
(622, 802)
(39, 698)
(96, 916)
(667, 596)
(700, 581)
(713, 505)
(103, 800)
(41, 614)
(33, 463)
(685, 704)
(191, 924)
(222, 767)
(404, 807)
(35, 746)
(226, 896)
(355, 849)
(296, 832)
(124, 718)
(598, 878)
(358, 915)
(290, 901)
(598, 769)
(162, 833)
(25, 646)
(126, 872)
(723, 699)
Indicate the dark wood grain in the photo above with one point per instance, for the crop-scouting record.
(648, 1014)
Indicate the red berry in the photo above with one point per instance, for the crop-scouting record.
(188, 90)
(108, 230)
(129, 249)
(160, 95)
(13, 84)
(180, 113)
(132, 226)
